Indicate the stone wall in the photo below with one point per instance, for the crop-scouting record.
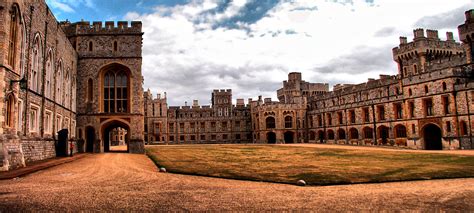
(36, 150)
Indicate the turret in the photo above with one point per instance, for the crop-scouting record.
(412, 57)
(466, 34)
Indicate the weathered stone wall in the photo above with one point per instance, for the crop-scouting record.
(36, 150)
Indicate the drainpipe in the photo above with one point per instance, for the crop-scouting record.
(27, 75)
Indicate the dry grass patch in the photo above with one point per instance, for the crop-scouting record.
(317, 166)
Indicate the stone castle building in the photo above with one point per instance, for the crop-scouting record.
(65, 76)
(86, 79)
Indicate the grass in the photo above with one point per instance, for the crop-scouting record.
(317, 166)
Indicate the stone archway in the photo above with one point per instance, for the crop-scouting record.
(432, 137)
(90, 139)
(289, 137)
(271, 138)
(383, 134)
(108, 128)
(321, 136)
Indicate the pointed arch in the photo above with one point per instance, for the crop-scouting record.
(9, 110)
(49, 74)
(58, 82)
(35, 74)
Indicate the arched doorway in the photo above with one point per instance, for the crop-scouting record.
(90, 139)
(111, 131)
(271, 137)
(383, 134)
(289, 137)
(321, 136)
(432, 137)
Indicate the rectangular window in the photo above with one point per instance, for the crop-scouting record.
(203, 125)
(224, 136)
(48, 122)
(329, 119)
(73, 128)
(397, 107)
(171, 127)
(353, 116)
(203, 137)
(448, 126)
(428, 107)
(34, 119)
(171, 138)
(58, 123)
(320, 121)
(366, 114)
(237, 136)
(213, 137)
(181, 137)
(340, 117)
(224, 125)
(181, 127)
(193, 137)
(446, 104)
(381, 113)
(411, 108)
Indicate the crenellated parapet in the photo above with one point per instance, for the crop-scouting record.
(412, 57)
(99, 28)
(466, 34)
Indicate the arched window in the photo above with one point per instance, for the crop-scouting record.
(463, 127)
(270, 121)
(115, 46)
(330, 135)
(49, 75)
(13, 38)
(115, 91)
(9, 111)
(35, 75)
(400, 131)
(59, 83)
(444, 86)
(368, 133)
(91, 46)
(73, 93)
(67, 88)
(410, 92)
(354, 133)
(426, 89)
(341, 134)
(288, 122)
(89, 90)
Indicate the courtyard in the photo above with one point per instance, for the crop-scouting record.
(121, 181)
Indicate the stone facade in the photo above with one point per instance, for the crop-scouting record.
(44, 70)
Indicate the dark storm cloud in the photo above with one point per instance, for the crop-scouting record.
(362, 59)
(450, 19)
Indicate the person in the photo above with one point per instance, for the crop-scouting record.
(71, 148)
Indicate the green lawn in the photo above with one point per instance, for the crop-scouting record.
(317, 166)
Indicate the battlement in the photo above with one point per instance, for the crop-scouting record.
(222, 91)
(466, 30)
(98, 27)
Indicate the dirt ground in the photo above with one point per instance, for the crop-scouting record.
(120, 181)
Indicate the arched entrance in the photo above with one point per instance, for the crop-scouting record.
(321, 136)
(289, 137)
(383, 134)
(271, 137)
(90, 139)
(432, 137)
(111, 132)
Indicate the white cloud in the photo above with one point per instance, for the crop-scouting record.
(188, 52)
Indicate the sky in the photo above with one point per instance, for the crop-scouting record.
(194, 46)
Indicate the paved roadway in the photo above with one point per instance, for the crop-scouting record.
(120, 181)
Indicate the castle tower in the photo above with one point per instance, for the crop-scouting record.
(466, 35)
(110, 80)
(222, 102)
(412, 57)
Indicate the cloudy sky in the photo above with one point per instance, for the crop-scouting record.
(194, 46)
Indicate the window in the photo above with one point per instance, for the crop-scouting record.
(463, 128)
(115, 46)
(339, 117)
(89, 90)
(237, 136)
(213, 126)
(354, 133)
(237, 124)
(288, 122)
(9, 111)
(91, 46)
(444, 86)
(48, 122)
(13, 38)
(446, 104)
(411, 108)
(171, 127)
(49, 75)
(181, 127)
(352, 116)
(448, 126)
(320, 120)
(203, 125)
(181, 137)
(115, 91)
(341, 134)
(368, 133)
(381, 113)
(67, 89)
(59, 83)
(224, 125)
(193, 137)
(171, 138)
(224, 136)
(213, 137)
(330, 135)
(329, 119)
(415, 69)
(203, 137)
(410, 93)
(270, 122)
(35, 75)
(398, 110)
(428, 107)
(413, 129)
(426, 89)
(366, 114)
(400, 131)
(58, 123)
(34, 118)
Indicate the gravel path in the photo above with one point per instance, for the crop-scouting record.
(119, 181)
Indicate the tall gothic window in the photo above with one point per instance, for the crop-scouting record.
(67, 88)
(9, 111)
(49, 75)
(14, 20)
(288, 122)
(59, 82)
(115, 91)
(35, 75)
(270, 121)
